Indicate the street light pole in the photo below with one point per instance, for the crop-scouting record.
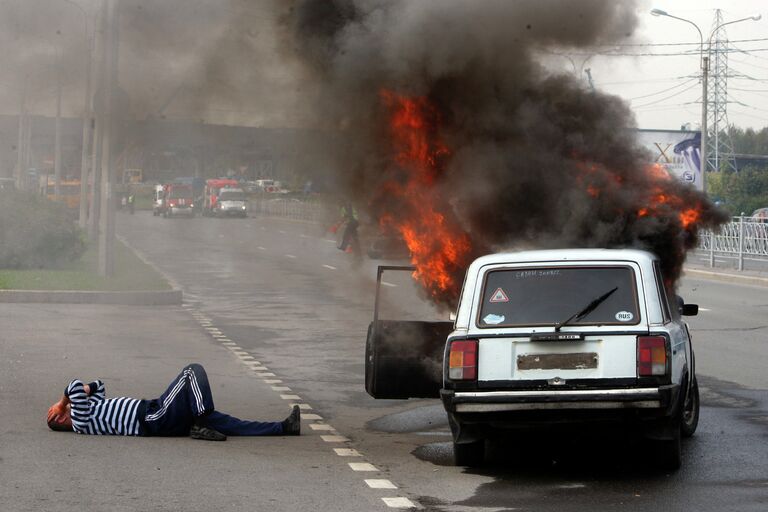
(87, 109)
(704, 60)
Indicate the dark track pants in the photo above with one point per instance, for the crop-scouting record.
(189, 399)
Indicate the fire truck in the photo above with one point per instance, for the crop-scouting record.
(178, 199)
(211, 194)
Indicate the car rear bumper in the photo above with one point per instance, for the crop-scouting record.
(479, 415)
(499, 401)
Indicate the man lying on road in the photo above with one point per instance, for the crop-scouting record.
(186, 408)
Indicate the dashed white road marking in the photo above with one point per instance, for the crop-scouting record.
(252, 363)
(391, 285)
(290, 397)
(303, 407)
(362, 466)
(260, 369)
(261, 248)
(280, 388)
(303, 236)
(329, 241)
(330, 267)
(380, 483)
(321, 426)
(398, 502)
(248, 359)
(704, 309)
(229, 343)
(311, 417)
(266, 374)
(212, 329)
(347, 452)
(334, 439)
(218, 335)
(272, 381)
(290, 256)
(281, 231)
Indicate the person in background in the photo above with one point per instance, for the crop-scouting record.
(184, 409)
(349, 239)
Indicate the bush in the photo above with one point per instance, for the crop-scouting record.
(36, 232)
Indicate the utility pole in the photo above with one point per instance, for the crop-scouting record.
(87, 113)
(22, 131)
(107, 214)
(57, 136)
(704, 159)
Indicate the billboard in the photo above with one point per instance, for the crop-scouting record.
(677, 151)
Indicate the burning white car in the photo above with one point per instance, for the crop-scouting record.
(549, 338)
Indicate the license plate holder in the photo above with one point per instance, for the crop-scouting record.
(576, 361)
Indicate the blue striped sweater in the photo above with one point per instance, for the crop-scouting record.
(96, 414)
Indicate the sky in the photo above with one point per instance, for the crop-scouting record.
(665, 91)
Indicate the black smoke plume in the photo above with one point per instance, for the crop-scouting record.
(536, 159)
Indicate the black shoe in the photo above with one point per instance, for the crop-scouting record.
(292, 424)
(206, 433)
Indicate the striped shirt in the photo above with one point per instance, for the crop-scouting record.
(96, 414)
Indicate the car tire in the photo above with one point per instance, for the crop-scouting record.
(690, 415)
(469, 454)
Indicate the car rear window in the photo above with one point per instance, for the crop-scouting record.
(550, 295)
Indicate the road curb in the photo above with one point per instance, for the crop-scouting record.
(726, 277)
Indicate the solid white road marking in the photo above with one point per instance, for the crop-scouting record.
(362, 466)
(311, 417)
(398, 502)
(329, 267)
(347, 452)
(334, 439)
(388, 284)
(378, 483)
(321, 426)
(290, 397)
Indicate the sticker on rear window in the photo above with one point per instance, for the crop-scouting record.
(493, 319)
(624, 316)
(499, 296)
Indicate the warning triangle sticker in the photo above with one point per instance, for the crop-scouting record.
(499, 296)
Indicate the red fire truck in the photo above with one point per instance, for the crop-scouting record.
(178, 199)
(211, 194)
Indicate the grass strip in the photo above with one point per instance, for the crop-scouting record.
(131, 274)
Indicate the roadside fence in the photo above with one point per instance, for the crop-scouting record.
(742, 238)
(291, 208)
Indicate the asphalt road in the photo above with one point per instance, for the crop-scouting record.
(281, 293)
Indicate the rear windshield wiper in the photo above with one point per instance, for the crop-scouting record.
(587, 310)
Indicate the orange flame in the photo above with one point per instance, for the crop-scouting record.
(660, 199)
(440, 249)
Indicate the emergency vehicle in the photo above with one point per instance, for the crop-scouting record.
(211, 194)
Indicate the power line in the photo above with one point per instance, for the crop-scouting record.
(635, 45)
(663, 90)
(678, 93)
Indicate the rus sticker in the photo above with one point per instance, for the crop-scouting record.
(624, 316)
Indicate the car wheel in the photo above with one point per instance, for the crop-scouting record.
(690, 416)
(469, 454)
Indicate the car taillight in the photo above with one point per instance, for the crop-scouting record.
(651, 356)
(463, 360)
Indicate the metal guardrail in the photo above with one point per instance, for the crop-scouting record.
(742, 238)
(289, 208)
